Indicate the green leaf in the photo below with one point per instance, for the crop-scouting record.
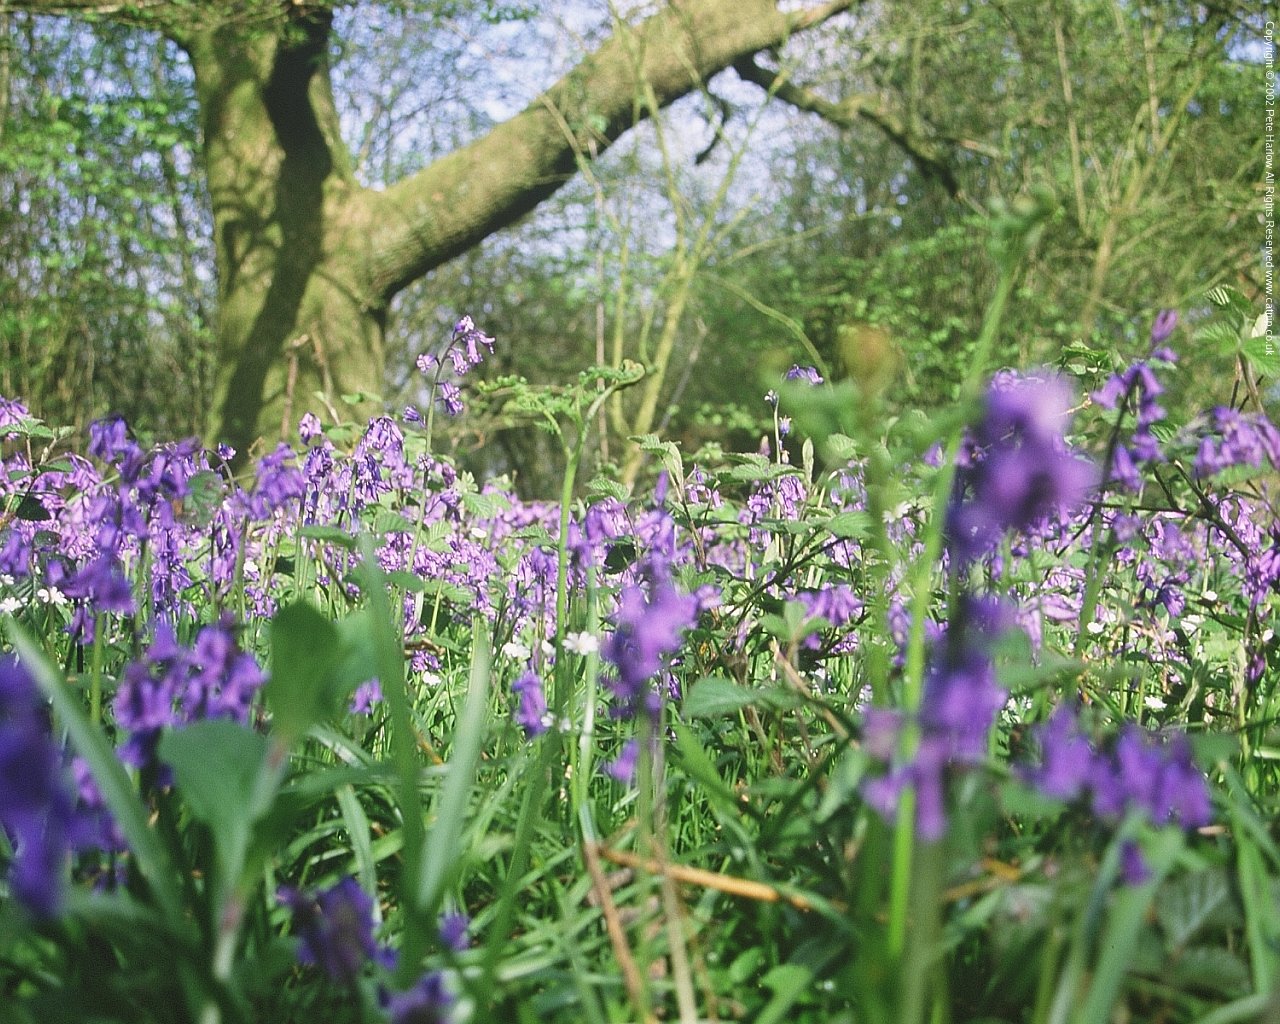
(446, 839)
(1264, 355)
(330, 535)
(1212, 968)
(848, 525)
(303, 687)
(1190, 903)
(216, 767)
(715, 696)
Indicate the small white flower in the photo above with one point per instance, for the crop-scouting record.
(1154, 703)
(10, 605)
(251, 567)
(430, 679)
(516, 651)
(51, 595)
(548, 649)
(1095, 628)
(1210, 595)
(583, 643)
(6, 579)
(479, 533)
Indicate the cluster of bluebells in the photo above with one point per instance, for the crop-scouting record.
(961, 699)
(172, 685)
(462, 355)
(1137, 383)
(1143, 772)
(1237, 439)
(1018, 470)
(37, 804)
(335, 929)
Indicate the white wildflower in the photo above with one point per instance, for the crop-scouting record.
(516, 651)
(583, 643)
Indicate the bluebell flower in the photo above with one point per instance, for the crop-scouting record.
(646, 631)
(1022, 471)
(336, 928)
(531, 713)
(428, 1002)
(37, 806)
(1166, 320)
(807, 374)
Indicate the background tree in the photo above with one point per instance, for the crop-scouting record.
(308, 259)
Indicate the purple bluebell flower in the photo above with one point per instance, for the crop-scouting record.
(451, 398)
(624, 766)
(807, 374)
(959, 706)
(279, 482)
(428, 1002)
(1066, 757)
(531, 714)
(453, 930)
(1166, 320)
(1023, 473)
(37, 808)
(1138, 381)
(336, 928)
(646, 631)
(1142, 771)
(1238, 439)
(172, 685)
(309, 428)
(1133, 865)
(367, 694)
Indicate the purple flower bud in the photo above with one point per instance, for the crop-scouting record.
(1166, 320)
(531, 715)
(808, 374)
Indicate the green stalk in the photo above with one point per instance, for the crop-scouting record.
(921, 593)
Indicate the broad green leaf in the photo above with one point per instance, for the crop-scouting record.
(1263, 354)
(216, 766)
(303, 688)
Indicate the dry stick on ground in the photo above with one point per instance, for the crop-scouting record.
(617, 935)
(1000, 874)
(758, 891)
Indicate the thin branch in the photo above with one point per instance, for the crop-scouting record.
(848, 112)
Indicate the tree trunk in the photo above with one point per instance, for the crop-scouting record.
(296, 319)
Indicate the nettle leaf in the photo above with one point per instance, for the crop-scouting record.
(1214, 969)
(716, 696)
(848, 525)
(1263, 355)
(303, 687)
(1194, 902)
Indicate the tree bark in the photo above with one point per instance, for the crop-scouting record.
(308, 260)
(296, 315)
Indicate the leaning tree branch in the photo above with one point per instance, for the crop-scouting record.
(847, 112)
(176, 19)
(467, 195)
